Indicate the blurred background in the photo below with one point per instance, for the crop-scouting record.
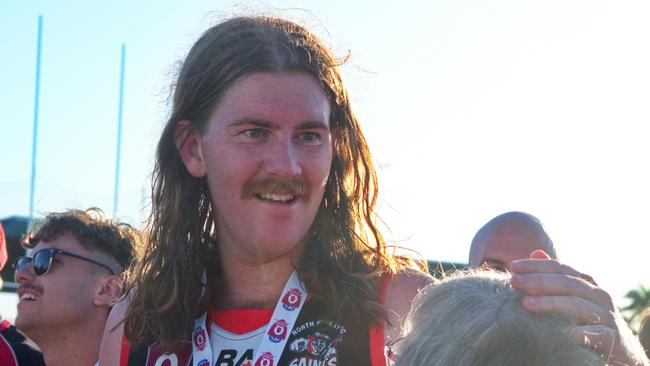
(471, 109)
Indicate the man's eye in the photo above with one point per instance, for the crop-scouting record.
(254, 133)
(310, 136)
(495, 266)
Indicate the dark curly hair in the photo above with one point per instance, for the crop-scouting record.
(93, 230)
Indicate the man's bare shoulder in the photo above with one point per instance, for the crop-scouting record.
(410, 279)
(402, 289)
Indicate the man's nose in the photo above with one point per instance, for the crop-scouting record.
(283, 160)
(24, 274)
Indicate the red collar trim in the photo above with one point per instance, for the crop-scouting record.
(241, 321)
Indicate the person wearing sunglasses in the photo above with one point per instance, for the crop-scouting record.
(15, 348)
(69, 281)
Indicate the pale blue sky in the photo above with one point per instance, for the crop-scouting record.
(472, 108)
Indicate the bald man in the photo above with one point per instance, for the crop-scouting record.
(509, 236)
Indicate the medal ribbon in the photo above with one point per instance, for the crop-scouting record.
(275, 337)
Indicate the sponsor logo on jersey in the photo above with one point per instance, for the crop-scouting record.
(203, 363)
(278, 331)
(291, 300)
(266, 359)
(199, 338)
(312, 362)
(315, 343)
(234, 357)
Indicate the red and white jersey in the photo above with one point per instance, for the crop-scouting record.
(235, 334)
(315, 340)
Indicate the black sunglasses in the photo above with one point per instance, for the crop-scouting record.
(42, 260)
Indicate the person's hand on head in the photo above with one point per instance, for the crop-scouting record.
(555, 287)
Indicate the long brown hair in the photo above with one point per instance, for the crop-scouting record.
(345, 255)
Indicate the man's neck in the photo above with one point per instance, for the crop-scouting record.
(76, 345)
(252, 285)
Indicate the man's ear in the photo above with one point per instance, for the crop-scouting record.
(109, 290)
(188, 143)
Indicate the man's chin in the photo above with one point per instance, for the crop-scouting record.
(19, 322)
(22, 321)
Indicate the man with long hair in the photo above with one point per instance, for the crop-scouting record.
(263, 248)
(262, 175)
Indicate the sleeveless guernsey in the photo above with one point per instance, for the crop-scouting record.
(316, 340)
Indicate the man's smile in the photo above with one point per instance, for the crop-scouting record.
(274, 197)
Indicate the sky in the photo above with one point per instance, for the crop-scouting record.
(472, 108)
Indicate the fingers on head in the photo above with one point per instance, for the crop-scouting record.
(542, 265)
(583, 312)
(526, 266)
(553, 284)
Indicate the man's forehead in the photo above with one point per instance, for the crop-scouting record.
(506, 253)
(255, 96)
(63, 240)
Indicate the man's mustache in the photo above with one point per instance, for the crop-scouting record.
(294, 186)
